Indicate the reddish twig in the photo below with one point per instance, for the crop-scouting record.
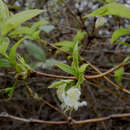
(72, 122)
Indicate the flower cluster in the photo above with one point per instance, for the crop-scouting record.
(70, 98)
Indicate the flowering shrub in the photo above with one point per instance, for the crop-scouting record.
(70, 98)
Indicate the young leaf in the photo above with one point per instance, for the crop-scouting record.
(76, 57)
(82, 68)
(79, 36)
(12, 53)
(4, 45)
(36, 51)
(65, 68)
(21, 30)
(118, 75)
(4, 12)
(10, 91)
(118, 33)
(38, 24)
(59, 83)
(124, 43)
(111, 9)
(126, 59)
(4, 62)
(66, 45)
(17, 19)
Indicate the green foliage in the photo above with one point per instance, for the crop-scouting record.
(68, 46)
(60, 83)
(36, 51)
(16, 20)
(31, 32)
(66, 68)
(10, 91)
(4, 62)
(4, 45)
(118, 33)
(111, 9)
(12, 53)
(119, 73)
(4, 12)
(75, 69)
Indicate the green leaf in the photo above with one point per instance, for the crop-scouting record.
(79, 36)
(124, 43)
(38, 24)
(10, 91)
(21, 30)
(75, 63)
(4, 12)
(4, 62)
(12, 53)
(4, 45)
(59, 83)
(83, 68)
(35, 51)
(111, 9)
(66, 45)
(118, 33)
(47, 28)
(118, 75)
(18, 19)
(126, 59)
(65, 68)
(36, 34)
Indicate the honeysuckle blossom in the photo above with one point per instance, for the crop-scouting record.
(70, 98)
(100, 21)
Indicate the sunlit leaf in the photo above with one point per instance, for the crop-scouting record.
(111, 9)
(17, 19)
(65, 68)
(118, 33)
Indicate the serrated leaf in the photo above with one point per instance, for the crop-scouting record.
(111, 9)
(118, 33)
(118, 75)
(4, 62)
(65, 68)
(4, 45)
(16, 20)
(36, 51)
(12, 53)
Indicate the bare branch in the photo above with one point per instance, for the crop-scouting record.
(72, 122)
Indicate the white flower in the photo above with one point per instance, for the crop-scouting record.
(70, 98)
(100, 21)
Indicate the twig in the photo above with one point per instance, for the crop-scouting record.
(72, 122)
(115, 85)
(107, 72)
(46, 102)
